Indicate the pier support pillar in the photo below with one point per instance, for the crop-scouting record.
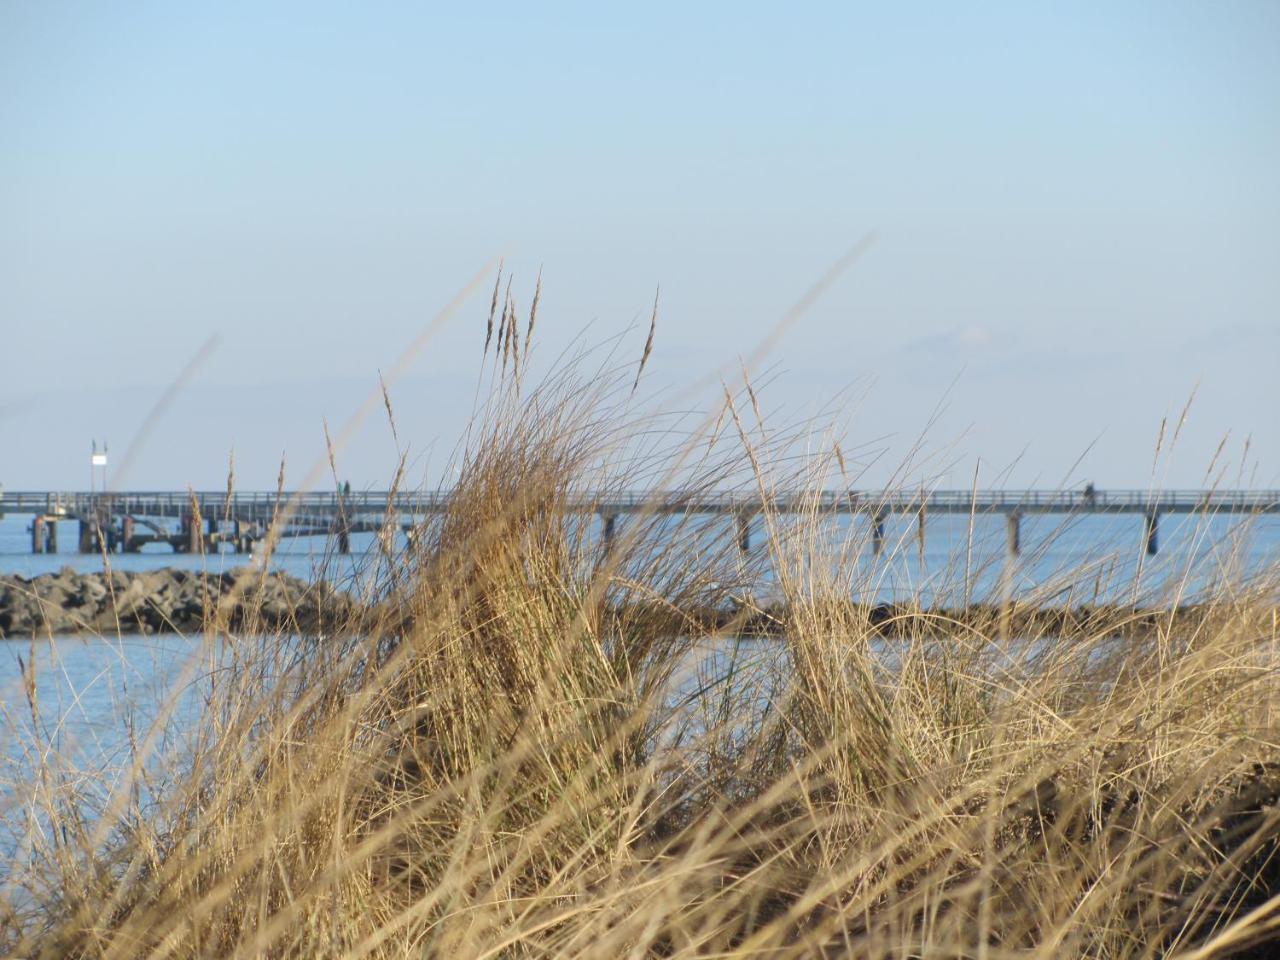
(609, 527)
(193, 532)
(920, 534)
(413, 534)
(744, 532)
(877, 532)
(344, 536)
(52, 541)
(126, 536)
(37, 534)
(1151, 532)
(1013, 533)
(87, 542)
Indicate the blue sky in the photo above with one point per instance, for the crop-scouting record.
(1076, 211)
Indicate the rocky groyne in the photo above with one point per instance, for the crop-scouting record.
(159, 601)
(185, 601)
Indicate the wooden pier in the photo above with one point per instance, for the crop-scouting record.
(192, 521)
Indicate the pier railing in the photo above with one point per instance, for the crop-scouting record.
(257, 503)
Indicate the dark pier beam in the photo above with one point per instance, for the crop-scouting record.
(37, 535)
(877, 532)
(1013, 532)
(609, 528)
(744, 532)
(1151, 532)
(52, 542)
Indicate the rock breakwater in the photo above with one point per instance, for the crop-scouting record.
(157, 601)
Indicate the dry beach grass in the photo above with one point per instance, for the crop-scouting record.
(524, 748)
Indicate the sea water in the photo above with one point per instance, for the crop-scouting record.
(95, 708)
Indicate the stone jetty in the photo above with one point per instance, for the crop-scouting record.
(159, 601)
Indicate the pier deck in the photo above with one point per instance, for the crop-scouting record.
(126, 520)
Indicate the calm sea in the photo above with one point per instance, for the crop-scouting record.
(98, 699)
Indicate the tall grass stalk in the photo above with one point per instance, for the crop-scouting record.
(528, 743)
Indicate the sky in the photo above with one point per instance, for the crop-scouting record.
(219, 222)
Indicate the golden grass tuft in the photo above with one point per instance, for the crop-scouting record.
(528, 745)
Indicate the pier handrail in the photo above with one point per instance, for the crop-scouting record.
(175, 503)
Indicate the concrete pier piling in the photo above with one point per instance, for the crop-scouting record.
(1151, 532)
(51, 545)
(192, 531)
(90, 538)
(920, 533)
(1013, 533)
(609, 528)
(37, 535)
(877, 532)
(744, 532)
